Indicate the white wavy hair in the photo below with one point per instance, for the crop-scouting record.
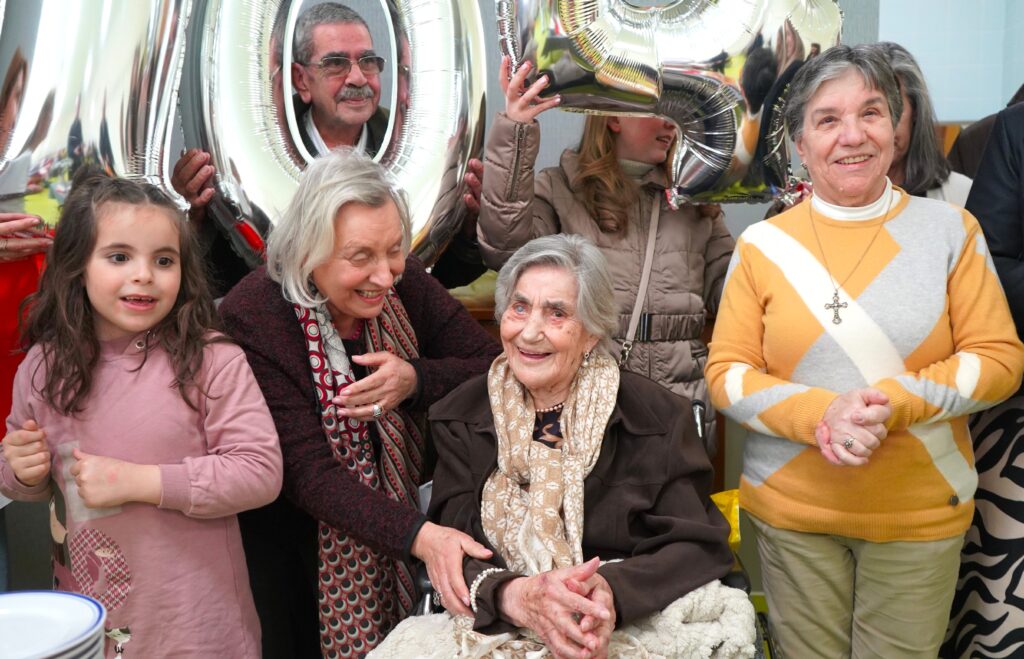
(304, 235)
(595, 297)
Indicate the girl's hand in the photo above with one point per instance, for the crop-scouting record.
(21, 236)
(107, 482)
(521, 104)
(25, 450)
(545, 604)
(392, 381)
(441, 549)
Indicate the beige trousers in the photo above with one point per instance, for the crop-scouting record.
(835, 597)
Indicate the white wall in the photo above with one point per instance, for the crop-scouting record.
(961, 45)
(1013, 52)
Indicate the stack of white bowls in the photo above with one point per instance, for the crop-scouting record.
(50, 625)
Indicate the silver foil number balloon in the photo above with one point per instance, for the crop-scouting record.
(85, 81)
(717, 68)
(238, 109)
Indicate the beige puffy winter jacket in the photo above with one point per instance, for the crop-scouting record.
(691, 253)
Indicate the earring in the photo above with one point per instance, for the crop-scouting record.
(586, 358)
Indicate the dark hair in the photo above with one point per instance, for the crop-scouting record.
(925, 165)
(758, 76)
(18, 69)
(60, 319)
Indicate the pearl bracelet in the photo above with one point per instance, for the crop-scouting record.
(476, 584)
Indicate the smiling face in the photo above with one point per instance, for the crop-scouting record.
(543, 337)
(366, 259)
(341, 104)
(847, 141)
(643, 139)
(133, 276)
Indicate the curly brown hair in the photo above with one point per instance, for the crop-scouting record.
(60, 318)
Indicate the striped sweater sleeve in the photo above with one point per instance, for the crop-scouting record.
(988, 357)
(736, 369)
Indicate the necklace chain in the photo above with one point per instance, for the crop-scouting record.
(836, 305)
(553, 408)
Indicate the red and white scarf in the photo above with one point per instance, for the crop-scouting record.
(363, 594)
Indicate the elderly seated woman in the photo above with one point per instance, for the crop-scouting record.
(588, 483)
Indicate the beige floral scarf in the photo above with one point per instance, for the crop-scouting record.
(532, 505)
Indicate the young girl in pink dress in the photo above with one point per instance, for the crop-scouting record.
(144, 425)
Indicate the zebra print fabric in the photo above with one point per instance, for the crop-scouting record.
(987, 617)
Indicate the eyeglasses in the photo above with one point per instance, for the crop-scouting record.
(336, 66)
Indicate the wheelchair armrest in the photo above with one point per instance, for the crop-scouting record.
(426, 603)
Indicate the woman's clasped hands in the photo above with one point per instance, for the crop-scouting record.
(571, 609)
(853, 426)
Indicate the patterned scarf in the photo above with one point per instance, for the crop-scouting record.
(363, 594)
(531, 507)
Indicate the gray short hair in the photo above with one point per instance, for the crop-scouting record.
(325, 13)
(832, 64)
(304, 235)
(926, 165)
(595, 299)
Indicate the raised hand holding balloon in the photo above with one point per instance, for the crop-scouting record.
(717, 69)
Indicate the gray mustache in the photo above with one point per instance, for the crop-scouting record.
(353, 92)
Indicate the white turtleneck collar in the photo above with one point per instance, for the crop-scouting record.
(889, 198)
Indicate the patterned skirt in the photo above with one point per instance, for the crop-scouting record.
(987, 617)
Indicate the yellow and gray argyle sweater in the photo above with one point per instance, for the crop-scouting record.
(925, 320)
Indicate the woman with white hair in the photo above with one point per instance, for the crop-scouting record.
(587, 482)
(349, 339)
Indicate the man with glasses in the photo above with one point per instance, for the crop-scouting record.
(336, 79)
(336, 74)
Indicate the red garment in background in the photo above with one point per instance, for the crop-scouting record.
(17, 281)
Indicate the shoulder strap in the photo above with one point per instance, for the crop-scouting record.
(645, 278)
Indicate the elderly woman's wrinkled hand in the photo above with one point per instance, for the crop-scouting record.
(853, 426)
(598, 590)
(392, 381)
(21, 236)
(441, 549)
(545, 604)
(522, 104)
